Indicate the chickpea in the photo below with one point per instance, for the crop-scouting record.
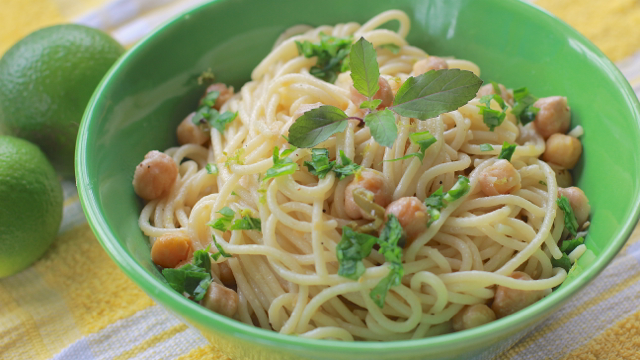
(304, 108)
(488, 89)
(373, 181)
(554, 116)
(190, 133)
(220, 299)
(508, 301)
(412, 215)
(473, 316)
(578, 201)
(428, 64)
(155, 175)
(226, 275)
(563, 150)
(499, 178)
(170, 250)
(384, 93)
(226, 92)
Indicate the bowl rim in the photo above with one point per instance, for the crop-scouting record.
(176, 303)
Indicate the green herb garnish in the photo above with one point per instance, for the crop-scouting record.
(331, 53)
(352, 248)
(523, 108)
(507, 151)
(212, 169)
(364, 68)
(486, 147)
(569, 245)
(570, 222)
(225, 222)
(395, 49)
(282, 164)
(319, 165)
(383, 127)
(492, 118)
(542, 183)
(564, 262)
(220, 252)
(346, 167)
(390, 240)
(316, 126)
(439, 200)
(193, 278)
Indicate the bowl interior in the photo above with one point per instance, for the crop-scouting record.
(154, 86)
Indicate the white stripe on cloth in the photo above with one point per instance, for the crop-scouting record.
(174, 347)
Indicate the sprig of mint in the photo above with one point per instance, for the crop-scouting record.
(422, 97)
(331, 53)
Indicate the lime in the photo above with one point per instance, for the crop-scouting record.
(31, 198)
(46, 80)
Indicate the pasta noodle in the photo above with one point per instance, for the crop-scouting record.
(286, 275)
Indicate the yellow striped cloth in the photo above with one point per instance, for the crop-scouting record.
(75, 303)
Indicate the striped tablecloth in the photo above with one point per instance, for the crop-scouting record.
(76, 304)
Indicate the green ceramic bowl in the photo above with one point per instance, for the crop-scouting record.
(153, 86)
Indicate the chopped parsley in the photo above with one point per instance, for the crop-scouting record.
(330, 52)
(570, 222)
(486, 147)
(282, 164)
(507, 151)
(439, 200)
(319, 165)
(212, 169)
(352, 248)
(226, 222)
(492, 118)
(193, 278)
(346, 167)
(523, 108)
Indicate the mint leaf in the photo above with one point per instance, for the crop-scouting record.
(435, 92)
(316, 126)
(486, 147)
(383, 127)
(507, 151)
(330, 52)
(346, 167)
(364, 68)
(282, 165)
(395, 49)
(352, 248)
(319, 164)
(373, 104)
(212, 169)
(570, 222)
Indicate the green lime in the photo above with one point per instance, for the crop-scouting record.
(46, 80)
(31, 198)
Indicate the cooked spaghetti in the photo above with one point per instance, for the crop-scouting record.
(483, 233)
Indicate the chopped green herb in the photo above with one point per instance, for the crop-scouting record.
(563, 262)
(542, 183)
(224, 222)
(523, 108)
(209, 116)
(235, 158)
(371, 104)
(193, 278)
(383, 127)
(486, 147)
(282, 165)
(395, 49)
(220, 122)
(346, 167)
(435, 92)
(212, 169)
(460, 189)
(364, 68)
(210, 98)
(319, 165)
(507, 151)
(220, 252)
(424, 139)
(330, 52)
(316, 126)
(234, 193)
(570, 222)
(390, 240)
(352, 248)
(569, 245)
(492, 118)
(496, 87)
